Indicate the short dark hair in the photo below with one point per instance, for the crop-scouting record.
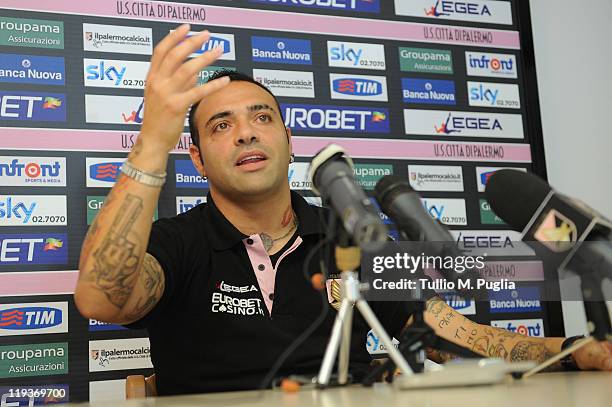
(234, 76)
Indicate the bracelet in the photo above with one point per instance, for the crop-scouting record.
(143, 177)
(568, 362)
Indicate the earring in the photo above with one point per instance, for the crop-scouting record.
(291, 158)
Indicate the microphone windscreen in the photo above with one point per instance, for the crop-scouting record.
(515, 196)
(388, 186)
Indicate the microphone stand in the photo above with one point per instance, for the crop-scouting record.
(348, 258)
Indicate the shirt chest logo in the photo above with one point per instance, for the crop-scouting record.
(229, 304)
(235, 289)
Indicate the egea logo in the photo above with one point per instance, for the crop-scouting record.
(446, 8)
(456, 124)
(235, 289)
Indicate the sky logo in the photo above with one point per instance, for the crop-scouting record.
(33, 248)
(366, 6)
(106, 172)
(217, 40)
(435, 211)
(34, 69)
(358, 87)
(35, 106)
(356, 55)
(187, 176)
(345, 53)
(103, 72)
(480, 93)
(281, 50)
(32, 171)
(17, 209)
(428, 91)
(30, 318)
(335, 118)
(522, 299)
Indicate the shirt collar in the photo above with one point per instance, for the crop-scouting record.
(225, 235)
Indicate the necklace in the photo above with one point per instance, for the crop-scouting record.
(267, 240)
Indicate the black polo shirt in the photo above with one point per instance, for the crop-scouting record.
(227, 313)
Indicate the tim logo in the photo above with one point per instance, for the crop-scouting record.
(29, 318)
(445, 8)
(215, 42)
(485, 176)
(357, 87)
(106, 172)
(135, 116)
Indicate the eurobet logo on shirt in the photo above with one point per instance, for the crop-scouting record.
(110, 73)
(32, 69)
(281, 50)
(21, 32)
(33, 248)
(32, 106)
(336, 118)
(356, 55)
(21, 171)
(33, 318)
(45, 359)
(33, 210)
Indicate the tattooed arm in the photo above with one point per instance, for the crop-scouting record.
(483, 339)
(119, 282)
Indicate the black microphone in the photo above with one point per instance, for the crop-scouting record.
(572, 235)
(331, 173)
(403, 205)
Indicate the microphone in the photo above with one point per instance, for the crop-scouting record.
(403, 205)
(573, 236)
(331, 174)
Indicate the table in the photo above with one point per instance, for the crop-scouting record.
(558, 389)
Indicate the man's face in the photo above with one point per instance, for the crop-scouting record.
(243, 141)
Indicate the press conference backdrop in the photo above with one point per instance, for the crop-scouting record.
(442, 93)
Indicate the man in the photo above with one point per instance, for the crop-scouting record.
(220, 288)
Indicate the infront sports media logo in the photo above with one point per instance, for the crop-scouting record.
(32, 171)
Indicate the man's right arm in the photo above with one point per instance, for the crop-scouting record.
(118, 281)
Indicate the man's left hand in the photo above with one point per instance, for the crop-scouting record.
(594, 356)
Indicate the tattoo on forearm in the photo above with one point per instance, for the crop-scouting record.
(439, 356)
(152, 281)
(116, 260)
(527, 350)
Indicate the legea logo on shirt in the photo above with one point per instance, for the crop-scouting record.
(356, 55)
(428, 91)
(32, 106)
(33, 248)
(366, 6)
(528, 327)
(187, 176)
(336, 118)
(281, 50)
(521, 299)
(34, 69)
(186, 203)
(32, 171)
(33, 318)
(358, 87)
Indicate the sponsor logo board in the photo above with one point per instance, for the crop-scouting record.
(446, 210)
(336, 118)
(465, 306)
(492, 242)
(358, 87)
(22, 32)
(298, 176)
(20, 171)
(114, 109)
(95, 203)
(185, 203)
(111, 73)
(286, 83)
(484, 173)
(102, 172)
(491, 65)
(281, 50)
(32, 106)
(521, 299)
(426, 60)
(501, 95)
(368, 6)
(32, 69)
(33, 248)
(480, 11)
(528, 327)
(463, 124)
(187, 176)
(225, 41)
(33, 210)
(44, 359)
(428, 91)
(375, 346)
(119, 39)
(487, 216)
(33, 318)
(119, 354)
(96, 326)
(356, 55)
(367, 175)
(436, 178)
